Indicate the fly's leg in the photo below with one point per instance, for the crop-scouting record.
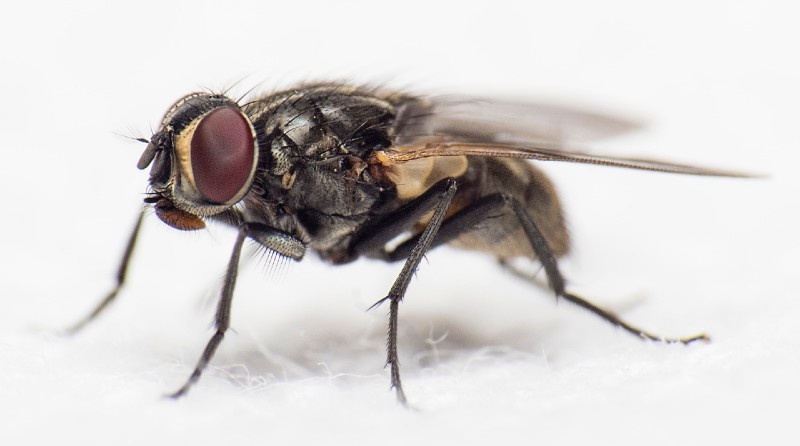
(558, 284)
(270, 239)
(222, 319)
(372, 240)
(492, 205)
(532, 277)
(439, 200)
(121, 275)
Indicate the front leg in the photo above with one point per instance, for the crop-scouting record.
(270, 238)
(122, 273)
(222, 318)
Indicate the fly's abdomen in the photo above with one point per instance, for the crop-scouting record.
(503, 236)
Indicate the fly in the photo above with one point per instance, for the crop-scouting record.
(344, 171)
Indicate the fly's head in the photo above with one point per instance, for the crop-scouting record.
(204, 158)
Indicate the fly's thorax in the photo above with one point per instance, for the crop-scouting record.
(204, 156)
(321, 121)
(314, 179)
(315, 143)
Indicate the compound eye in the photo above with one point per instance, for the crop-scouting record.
(222, 154)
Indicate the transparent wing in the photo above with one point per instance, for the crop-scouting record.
(461, 126)
(484, 120)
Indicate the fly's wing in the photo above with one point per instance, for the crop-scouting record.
(480, 127)
(481, 120)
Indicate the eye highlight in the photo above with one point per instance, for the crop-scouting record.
(222, 154)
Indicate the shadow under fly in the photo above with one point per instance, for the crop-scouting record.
(347, 171)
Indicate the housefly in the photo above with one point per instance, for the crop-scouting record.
(346, 170)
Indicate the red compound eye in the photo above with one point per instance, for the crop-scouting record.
(222, 154)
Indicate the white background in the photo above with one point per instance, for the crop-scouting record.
(717, 83)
